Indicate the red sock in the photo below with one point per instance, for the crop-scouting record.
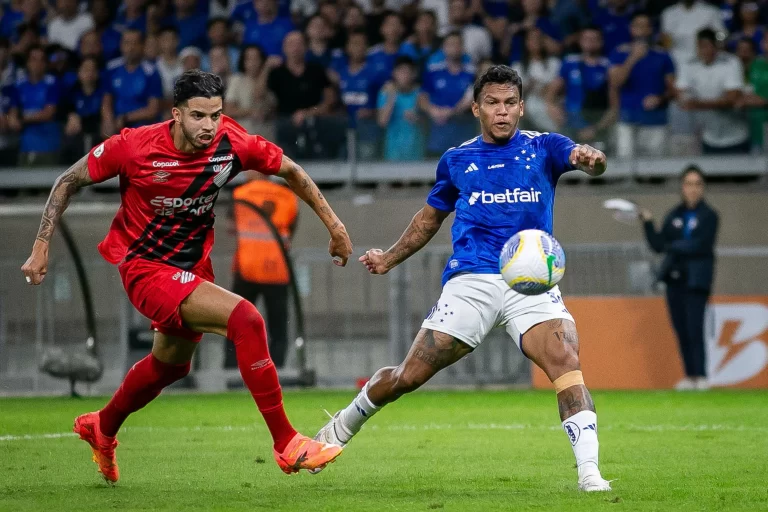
(143, 382)
(247, 332)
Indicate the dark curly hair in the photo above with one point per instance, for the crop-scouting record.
(498, 74)
(196, 84)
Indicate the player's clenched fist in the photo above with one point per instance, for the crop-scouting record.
(36, 265)
(588, 159)
(374, 261)
(340, 247)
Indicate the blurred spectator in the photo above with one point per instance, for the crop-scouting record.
(712, 86)
(382, 57)
(583, 82)
(135, 88)
(220, 65)
(687, 240)
(69, 24)
(424, 41)
(304, 97)
(222, 8)
(398, 113)
(151, 48)
(219, 34)
(8, 144)
(749, 13)
(269, 29)
(681, 22)
(538, 70)
(28, 38)
(477, 40)
(357, 80)
(353, 21)
(190, 23)
(756, 96)
(318, 33)
(246, 10)
(644, 77)
(168, 62)
(110, 38)
(259, 267)
(534, 16)
(614, 21)
(82, 108)
(61, 66)
(247, 99)
(191, 58)
(31, 14)
(570, 17)
(446, 98)
(746, 52)
(90, 46)
(7, 69)
(332, 15)
(133, 16)
(33, 112)
(374, 16)
(440, 8)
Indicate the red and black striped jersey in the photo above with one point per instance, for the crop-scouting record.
(167, 197)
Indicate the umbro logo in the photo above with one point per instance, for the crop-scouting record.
(472, 167)
(161, 176)
(185, 277)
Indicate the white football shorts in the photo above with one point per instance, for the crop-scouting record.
(473, 304)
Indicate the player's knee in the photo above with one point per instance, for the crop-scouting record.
(245, 316)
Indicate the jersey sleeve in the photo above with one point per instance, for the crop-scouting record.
(108, 159)
(444, 194)
(258, 154)
(559, 149)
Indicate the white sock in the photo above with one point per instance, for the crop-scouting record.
(581, 429)
(354, 416)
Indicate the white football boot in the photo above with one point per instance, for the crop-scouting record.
(328, 434)
(593, 482)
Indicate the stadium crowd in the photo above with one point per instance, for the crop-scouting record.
(637, 77)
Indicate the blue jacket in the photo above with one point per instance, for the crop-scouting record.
(687, 240)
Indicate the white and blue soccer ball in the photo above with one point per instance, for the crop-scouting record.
(532, 262)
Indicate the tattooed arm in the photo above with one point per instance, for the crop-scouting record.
(340, 246)
(65, 186)
(424, 225)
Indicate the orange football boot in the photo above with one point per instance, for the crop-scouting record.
(87, 426)
(305, 453)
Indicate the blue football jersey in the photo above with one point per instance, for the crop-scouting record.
(496, 191)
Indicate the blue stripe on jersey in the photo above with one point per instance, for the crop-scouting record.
(496, 191)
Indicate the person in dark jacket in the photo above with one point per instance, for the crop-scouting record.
(687, 240)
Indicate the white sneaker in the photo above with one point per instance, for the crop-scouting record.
(702, 384)
(328, 434)
(685, 384)
(594, 482)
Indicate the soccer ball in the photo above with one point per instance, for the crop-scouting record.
(532, 262)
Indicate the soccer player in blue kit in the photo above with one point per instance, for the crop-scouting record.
(498, 183)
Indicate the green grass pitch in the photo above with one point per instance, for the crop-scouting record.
(463, 451)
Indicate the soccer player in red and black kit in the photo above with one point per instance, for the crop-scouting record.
(161, 238)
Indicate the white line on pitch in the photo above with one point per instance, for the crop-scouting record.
(423, 427)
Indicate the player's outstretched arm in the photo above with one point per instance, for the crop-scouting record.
(65, 186)
(340, 246)
(589, 160)
(424, 225)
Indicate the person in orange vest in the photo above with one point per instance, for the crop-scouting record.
(258, 266)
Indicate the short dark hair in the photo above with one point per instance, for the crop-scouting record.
(241, 59)
(707, 34)
(592, 26)
(169, 28)
(196, 84)
(498, 74)
(693, 169)
(748, 40)
(218, 19)
(454, 33)
(404, 60)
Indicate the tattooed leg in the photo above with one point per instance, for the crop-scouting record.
(554, 347)
(431, 352)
